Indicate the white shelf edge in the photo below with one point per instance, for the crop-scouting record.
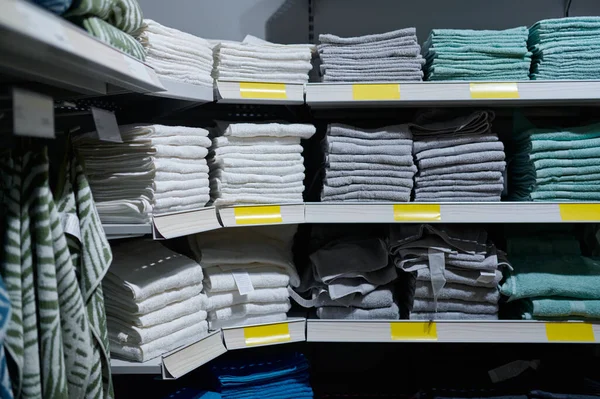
(40, 37)
(228, 92)
(500, 331)
(186, 223)
(116, 231)
(119, 366)
(184, 360)
(295, 328)
(184, 91)
(288, 213)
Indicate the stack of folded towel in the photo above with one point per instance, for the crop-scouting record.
(281, 376)
(349, 278)
(458, 159)
(456, 268)
(255, 60)
(258, 163)
(457, 54)
(246, 273)
(175, 54)
(368, 164)
(556, 165)
(153, 300)
(392, 56)
(551, 280)
(565, 48)
(111, 21)
(157, 169)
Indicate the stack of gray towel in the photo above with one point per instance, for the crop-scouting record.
(392, 56)
(368, 164)
(350, 278)
(456, 269)
(458, 159)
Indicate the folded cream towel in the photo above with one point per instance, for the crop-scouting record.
(261, 295)
(226, 161)
(145, 352)
(180, 188)
(248, 309)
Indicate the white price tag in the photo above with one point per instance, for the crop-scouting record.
(106, 125)
(33, 114)
(243, 282)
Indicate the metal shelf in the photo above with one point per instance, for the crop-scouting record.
(285, 332)
(117, 231)
(184, 91)
(257, 215)
(228, 92)
(41, 46)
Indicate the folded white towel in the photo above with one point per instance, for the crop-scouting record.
(131, 131)
(181, 177)
(186, 193)
(248, 309)
(261, 77)
(303, 131)
(126, 333)
(193, 141)
(114, 303)
(154, 27)
(180, 63)
(217, 280)
(261, 295)
(125, 211)
(297, 186)
(180, 204)
(143, 353)
(159, 47)
(225, 49)
(258, 149)
(258, 191)
(293, 156)
(143, 268)
(232, 62)
(254, 141)
(190, 77)
(195, 304)
(280, 171)
(264, 47)
(250, 163)
(172, 187)
(239, 178)
(246, 321)
(180, 165)
(227, 200)
(175, 151)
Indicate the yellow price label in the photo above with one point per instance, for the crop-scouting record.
(417, 212)
(496, 90)
(413, 331)
(257, 214)
(570, 332)
(268, 334)
(375, 91)
(263, 90)
(579, 212)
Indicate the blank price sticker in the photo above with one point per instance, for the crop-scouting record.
(268, 334)
(33, 114)
(417, 212)
(263, 90)
(570, 332)
(257, 214)
(107, 127)
(579, 212)
(376, 91)
(494, 90)
(413, 331)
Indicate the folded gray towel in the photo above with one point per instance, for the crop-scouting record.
(478, 122)
(408, 261)
(462, 177)
(334, 76)
(388, 132)
(461, 150)
(370, 142)
(334, 49)
(391, 42)
(470, 239)
(355, 188)
(397, 196)
(392, 62)
(364, 167)
(404, 160)
(468, 198)
(485, 188)
(457, 276)
(428, 143)
(458, 292)
(368, 181)
(456, 183)
(344, 287)
(329, 38)
(451, 316)
(404, 66)
(353, 149)
(498, 166)
(472, 158)
(428, 305)
(337, 312)
(466, 195)
(382, 297)
(397, 173)
(364, 54)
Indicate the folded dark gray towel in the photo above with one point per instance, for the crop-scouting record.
(461, 150)
(424, 144)
(352, 188)
(397, 173)
(388, 132)
(428, 305)
(467, 168)
(360, 167)
(485, 188)
(479, 122)
(471, 158)
(458, 292)
(404, 160)
(368, 181)
(462, 177)
(350, 313)
(353, 149)
(383, 196)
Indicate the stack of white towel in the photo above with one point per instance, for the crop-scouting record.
(390, 56)
(258, 163)
(246, 273)
(157, 169)
(176, 55)
(153, 300)
(255, 60)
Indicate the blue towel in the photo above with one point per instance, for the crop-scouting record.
(241, 373)
(191, 393)
(549, 395)
(55, 6)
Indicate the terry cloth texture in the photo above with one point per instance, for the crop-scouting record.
(392, 56)
(463, 54)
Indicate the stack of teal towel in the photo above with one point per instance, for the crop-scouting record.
(551, 280)
(556, 165)
(460, 54)
(565, 48)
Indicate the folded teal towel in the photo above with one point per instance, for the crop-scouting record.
(578, 23)
(470, 33)
(555, 145)
(591, 186)
(560, 308)
(549, 276)
(560, 176)
(570, 134)
(559, 196)
(567, 154)
(551, 244)
(481, 49)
